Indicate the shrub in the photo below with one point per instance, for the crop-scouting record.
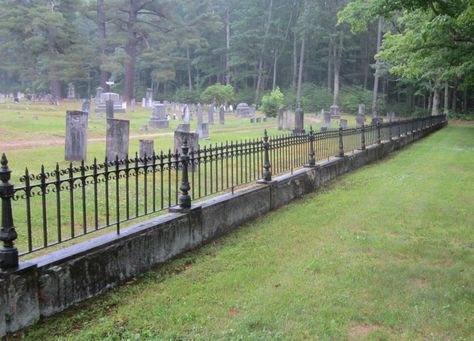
(184, 95)
(218, 94)
(273, 102)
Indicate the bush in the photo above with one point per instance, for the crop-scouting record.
(184, 95)
(313, 97)
(218, 94)
(273, 102)
(352, 96)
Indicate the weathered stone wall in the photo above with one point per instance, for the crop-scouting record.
(51, 283)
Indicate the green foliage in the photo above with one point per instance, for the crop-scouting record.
(218, 94)
(352, 96)
(313, 97)
(245, 95)
(273, 102)
(184, 95)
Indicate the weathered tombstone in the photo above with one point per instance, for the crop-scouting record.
(149, 98)
(86, 105)
(280, 119)
(242, 110)
(361, 109)
(143, 102)
(106, 96)
(210, 114)
(98, 93)
(146, 148)
(133, 104)
(117, 139)
(199, 114)
(335, 111)
(109, 109)
(327, 119)
(76, 136)
(360, 119)
(186, 127)
(222, 115)
(181, 136)
(299, 121)
(203, 131)
(343, 123)
(158, 118)
(288, 120)
(186, 115)
(391, 116)
(71, 91)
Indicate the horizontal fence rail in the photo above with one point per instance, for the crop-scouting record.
(56, 206)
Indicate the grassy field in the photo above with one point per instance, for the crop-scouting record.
(385, 253)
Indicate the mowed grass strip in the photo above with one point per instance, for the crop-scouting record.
(384, 253)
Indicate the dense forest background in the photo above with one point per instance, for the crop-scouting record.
(393, 55)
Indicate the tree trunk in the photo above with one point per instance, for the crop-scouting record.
(377, 67)
(54, 83)
(454, 98)
(435, 108)
(190, 79)
(227, 44)
(446, 98)
(300, 74)
(104, 76)
(337, 67)
(131, 50)
(464, 103)
(367, 60)
(259, 80)
(330, 60)
(275, 58)
(295, 60)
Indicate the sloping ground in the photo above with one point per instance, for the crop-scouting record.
(386, 252)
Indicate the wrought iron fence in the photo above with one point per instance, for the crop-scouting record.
(56, 206)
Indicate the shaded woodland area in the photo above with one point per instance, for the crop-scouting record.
(318, 52)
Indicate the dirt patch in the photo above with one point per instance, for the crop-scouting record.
(360, 331)
(420, 283)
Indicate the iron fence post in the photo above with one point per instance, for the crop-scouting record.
(185, 198)
(267, 174)
(399, 129)
(312, 154)
(362, 137)
(379, 135)
(341, 143)
(9, 253)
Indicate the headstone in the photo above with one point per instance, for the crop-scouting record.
(149, 98)
(106, 96)
(335, 111)
(76, 136)
(210, 114)
(280, 119)
(199, 114)
(146, 148)
(343, 123)
(299, 121)
(117, 139)
(203, 131)
(326, 119)
(98, 93)
(143, 102)
(133, 104)
(71, 91)
(109, 109)
(158, 118)
(186, 115)
(287, 122)
(361, 109)
(242, 110)
(391, 116)
(181, 136)
(86, 105)
(222, 115)
(360, 119)
(186, 127)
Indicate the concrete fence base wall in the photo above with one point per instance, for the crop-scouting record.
(51, 283)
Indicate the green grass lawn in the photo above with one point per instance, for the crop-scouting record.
(384, 253)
